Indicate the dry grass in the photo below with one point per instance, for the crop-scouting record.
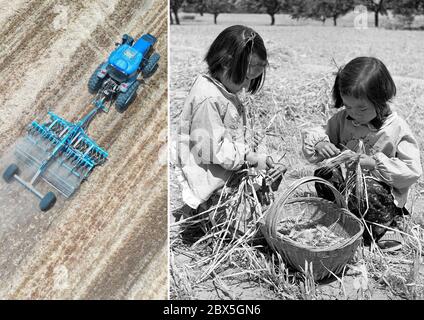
(296, 95)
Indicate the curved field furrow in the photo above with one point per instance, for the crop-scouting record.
(109, 240)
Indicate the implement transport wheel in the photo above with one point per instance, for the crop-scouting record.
(10, 172)
(94, 83)
(48, 201)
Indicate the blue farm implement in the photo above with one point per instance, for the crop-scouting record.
(58, 152)
(120, 76)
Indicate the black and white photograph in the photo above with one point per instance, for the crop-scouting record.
(295, 151)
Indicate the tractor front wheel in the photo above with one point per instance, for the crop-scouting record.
(10, 172)
(151, 66)
(95, 83)
(124, 99)
(48, 201)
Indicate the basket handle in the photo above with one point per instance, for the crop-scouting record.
(272, 216)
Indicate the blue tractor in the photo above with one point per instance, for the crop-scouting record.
(121, 75)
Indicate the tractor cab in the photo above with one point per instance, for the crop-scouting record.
(124, 63)
(126, 60)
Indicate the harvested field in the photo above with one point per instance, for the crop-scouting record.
(302, 59)
(110, 239)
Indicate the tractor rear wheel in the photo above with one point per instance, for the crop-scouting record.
(124, 99)
(151, 66)
(10, 172)
(48, 201)
(94, 83)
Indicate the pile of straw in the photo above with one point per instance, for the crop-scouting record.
(234, 219)
(308, 233)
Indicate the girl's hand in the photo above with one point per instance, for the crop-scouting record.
(367, 162)
(326, 149)
(252, 158)
(274, 170)
(275, 173)
(259, 160)
(270, 162)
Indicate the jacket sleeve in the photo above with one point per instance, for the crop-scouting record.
(211, 141)
(310, 137)
(403, 170)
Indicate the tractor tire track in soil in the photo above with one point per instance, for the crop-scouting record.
(110, 239)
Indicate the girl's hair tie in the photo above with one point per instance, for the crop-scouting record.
(251, 37)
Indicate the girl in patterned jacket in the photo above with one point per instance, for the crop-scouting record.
(391, 162)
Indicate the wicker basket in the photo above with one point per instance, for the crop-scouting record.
(323, 259)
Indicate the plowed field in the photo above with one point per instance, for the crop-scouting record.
(109, 240)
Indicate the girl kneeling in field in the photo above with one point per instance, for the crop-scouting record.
(391, 162)
(212, 135)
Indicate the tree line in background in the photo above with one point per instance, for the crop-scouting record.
(299, 9)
